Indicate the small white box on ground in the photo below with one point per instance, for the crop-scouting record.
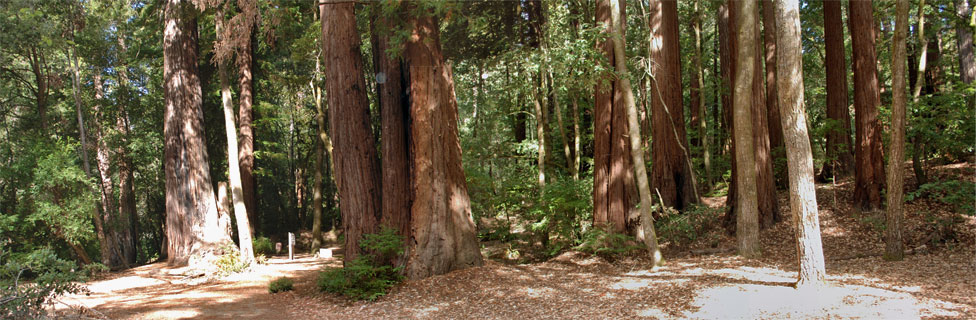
(325, 253)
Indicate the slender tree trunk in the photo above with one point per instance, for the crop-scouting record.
(443, 236)
(562, 133)
(840, 153)
(803, 197)
(747, 224)
(646, 231)
(103, 244)
(695, 93)
(964, 42)
(894, 247)
(319, 156)
(775, 127)
(918, 145)
(868, 158)
(245, 114)
(394, 109)
(540, 130)
(234, 169)
(192, 226)
(576, 140)
(671, 174)
(111, 255)
(726, 48)
(356, 163)
(127, 197)
(700, 82)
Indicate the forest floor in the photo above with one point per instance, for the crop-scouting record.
(702, 280)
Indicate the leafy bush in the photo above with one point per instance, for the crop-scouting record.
(230, 262)
(960, 195)
(369, 275)
(600, 242)
(686, 227)
(29, 281)
(281, 284)
(262, 245)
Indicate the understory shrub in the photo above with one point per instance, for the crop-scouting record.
(230, 262)
(600, 242)
(29, 281)
(685, 227)
(369, 275)
(262, 245)
(281, 284)
(959, 195)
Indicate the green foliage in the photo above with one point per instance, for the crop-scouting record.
(960, 195)
(369, 275)
(600, 242)
(682, 228)
(262, 246)
(281, 284)
(30, 281)
(230, 262)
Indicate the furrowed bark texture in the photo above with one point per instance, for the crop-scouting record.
(839, 147)
(868, 158)
(747, 215)
(894, 247)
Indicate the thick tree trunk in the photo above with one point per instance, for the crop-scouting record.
(234, 169)
(611, 150)
(747, 215)
(840, 153)
(775, 127)
(113, 226)
(803, 197)
(356, 163)
(191, 210)
(894, 247)
(964, 42)
(394, 108)
(868, 158)
(646, 231)
(245, 114)
(671, 174)
(442, 232)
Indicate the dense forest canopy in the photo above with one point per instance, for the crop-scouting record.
(133, 131)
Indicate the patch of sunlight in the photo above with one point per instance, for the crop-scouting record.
(426, 312)
(123, 283)
(756, 274)
(636, 284)
(753, 301)
(537, 293)
(653, 313)
(172, 314)
(834, 232)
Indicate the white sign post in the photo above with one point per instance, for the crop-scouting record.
(291, 246)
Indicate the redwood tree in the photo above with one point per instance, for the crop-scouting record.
(964, 42)
(245, 112)
(840, 154)
(356, 164)
(894, 248)
(192, 225)
(747, 210)
(869, 162)
(670, 172)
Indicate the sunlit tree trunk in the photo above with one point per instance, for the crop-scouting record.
(894, 247)
(869, 162)
(646, 230)
(246, 114)
(192, 226)
(234, 170)
(442, 231)
(803, 197)
(918, 145)
(775, 127)
(356, 163)
(700, 84)
(747, 215)
(840, 153)
(321, 137)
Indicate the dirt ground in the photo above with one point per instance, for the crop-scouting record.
(699, 281)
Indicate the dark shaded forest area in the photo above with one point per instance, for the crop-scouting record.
(487, 159)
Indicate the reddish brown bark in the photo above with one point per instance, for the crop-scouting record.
(839, 147)
(114, 231)
(127, 197)
(356, 163)
(443, 237)
(245, 115)
(776, 146)
(869, 161)
(670, 174)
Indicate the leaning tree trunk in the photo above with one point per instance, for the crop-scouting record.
(671, 175)
(868, 158)
(192, 227)
(894, 247)
(747, 215)
(443, 236)
(234, 169)
(356, 163)
(840, 154)
(803, 196)
(646, 230)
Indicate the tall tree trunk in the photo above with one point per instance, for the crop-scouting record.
(104, 245)
(918, 143)
(443, 236)
(964, 42)
(234, 169)
(700, 83)
(840, 153)
(695, 93)
(646, 230)
(747, 217)
(894, 247)
(803, 196)
(576, 140)
(394, 108)
(112, 254)
(611, 150)
(868, 158)
(775, 127)
(567, 144)
(127, 197)
(319, 153)
(671, 174)
(245, 114)
(356, 163)
(192, 226)
(726, 51)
